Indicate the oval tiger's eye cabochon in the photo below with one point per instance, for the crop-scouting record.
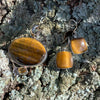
(28, 51)
(64, 59)
(79, 45)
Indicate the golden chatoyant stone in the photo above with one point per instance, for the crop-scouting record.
(22, 70)
(79, 45)
(64, 59)
(27, 51)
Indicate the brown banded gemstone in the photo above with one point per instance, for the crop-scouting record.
(79, 45)
(64, 59)
(28, 51)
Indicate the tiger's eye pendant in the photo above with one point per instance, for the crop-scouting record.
(79, 45)
(64, 60)
(27, 52)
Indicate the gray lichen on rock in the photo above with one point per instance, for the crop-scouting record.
(5, 74)
(53, 18)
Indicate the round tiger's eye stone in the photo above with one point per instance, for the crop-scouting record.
(79, 45)
(27, 51)
(22, 71)
(64, 59)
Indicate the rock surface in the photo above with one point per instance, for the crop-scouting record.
(56, 21)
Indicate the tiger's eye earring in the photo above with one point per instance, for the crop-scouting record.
(79, 45)
(64, 59)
